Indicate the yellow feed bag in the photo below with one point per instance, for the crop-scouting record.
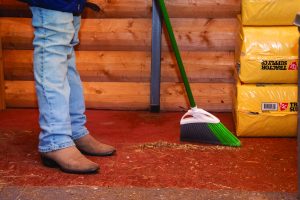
(268, 54)
(266, 110)
(269, 12)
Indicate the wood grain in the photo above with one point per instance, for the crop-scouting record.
(2, 92)
(131, 96)
(141, 9)
(131, 34)
(124, 66)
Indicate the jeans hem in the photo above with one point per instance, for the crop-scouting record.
(80, 135)
(56, 147)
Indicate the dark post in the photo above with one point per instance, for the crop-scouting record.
(155, 59)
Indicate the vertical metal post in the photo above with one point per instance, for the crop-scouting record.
(155, 58)
(297, 23)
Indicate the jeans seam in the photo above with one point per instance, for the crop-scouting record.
(42, 71)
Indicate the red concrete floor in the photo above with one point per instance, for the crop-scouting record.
(150, 155)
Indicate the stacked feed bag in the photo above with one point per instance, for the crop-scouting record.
(268, 54)
(269, 12)
(264, 110)
(267, 68)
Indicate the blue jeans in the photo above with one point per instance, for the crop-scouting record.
(57, 82)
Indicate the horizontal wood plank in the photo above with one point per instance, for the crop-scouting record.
(141, 9)
(123, 66)
(122, 96)
(131, 34)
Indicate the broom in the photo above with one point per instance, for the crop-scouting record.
(197, 125)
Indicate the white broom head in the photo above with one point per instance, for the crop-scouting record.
(198, 115)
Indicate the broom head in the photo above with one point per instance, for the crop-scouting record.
(198, 125)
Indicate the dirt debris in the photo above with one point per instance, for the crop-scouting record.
(185, 147)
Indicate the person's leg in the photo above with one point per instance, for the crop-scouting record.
(77, 103)
(54, 31)
(84, 141)
(53, 34)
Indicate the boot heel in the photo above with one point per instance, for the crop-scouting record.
(49, 162)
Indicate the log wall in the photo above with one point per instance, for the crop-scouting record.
(142, 9)
(114, 55)
(2, 93)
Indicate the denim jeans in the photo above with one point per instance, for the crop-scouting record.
(57, 82)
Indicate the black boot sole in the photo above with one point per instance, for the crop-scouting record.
(98, 154)
(52, 164)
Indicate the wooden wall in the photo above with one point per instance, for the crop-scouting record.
(114, 56)
(2, 94)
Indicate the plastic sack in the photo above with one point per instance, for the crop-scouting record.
(269, 12)
(266, 110)
(268, 54)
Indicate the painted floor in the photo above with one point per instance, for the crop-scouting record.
(149, 157)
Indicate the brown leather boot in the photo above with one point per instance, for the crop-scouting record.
(90, 146)
(69, 160)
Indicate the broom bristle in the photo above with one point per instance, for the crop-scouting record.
(198, 132)
(208, 133)
(224, 135)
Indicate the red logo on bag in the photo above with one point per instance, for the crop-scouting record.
(283, 106)
(293, 66)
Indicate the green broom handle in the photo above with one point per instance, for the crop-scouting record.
(177, 53)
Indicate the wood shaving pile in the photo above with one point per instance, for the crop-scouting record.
(168, 145)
